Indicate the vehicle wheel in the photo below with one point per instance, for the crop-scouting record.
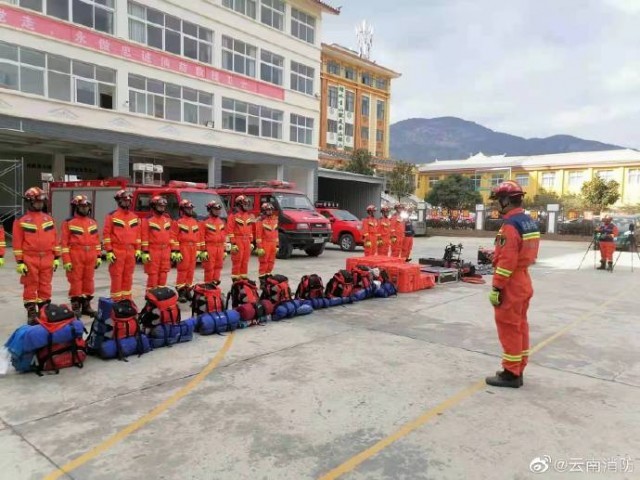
(315, 250)
(285, 250)
(347, 242)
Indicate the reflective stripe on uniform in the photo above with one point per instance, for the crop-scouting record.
(531, 236)
(503, 272)
(512, 358)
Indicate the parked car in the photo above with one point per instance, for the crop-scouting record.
(346, 228)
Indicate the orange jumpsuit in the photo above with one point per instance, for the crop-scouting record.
(35, 242)
(516, 247)
(80, 247)
(370, 234)
(158, 241)
(214, 233)
(3, 243)
(407, 242)
(187, 234)
(397, 231)
(606, 241)
(267, 239)
(121, 236)
(384, 233)
(240, 226)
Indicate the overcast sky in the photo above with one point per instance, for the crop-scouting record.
(532, 68)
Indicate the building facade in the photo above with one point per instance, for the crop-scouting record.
(562, 173)
(213, 90)
(355, 107)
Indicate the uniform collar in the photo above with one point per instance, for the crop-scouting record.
(513, 212)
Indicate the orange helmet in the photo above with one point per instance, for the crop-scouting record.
(185, 204)
(385, 209)
(371, 208)
(80, 200)
(213, 205)
(35, 194)
(266, 207)
(123, 195)
(507, 188)
(158, 200)
(241, 200)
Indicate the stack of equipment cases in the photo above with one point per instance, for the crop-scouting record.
(442, 274)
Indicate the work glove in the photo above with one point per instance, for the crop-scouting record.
(21, 268)
(380, 243)
(367, 244)
(98, 262)
(56, 264)
(138, 255)
(68, 266)
(176, 257)
(203, 256)
(225, 255)
(145, 257)
(494, 297)
(394, 239)
(111, 257)
(1, 261)
(234, 249)
(260, 252)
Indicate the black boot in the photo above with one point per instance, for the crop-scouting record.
(504, 379)
(182, 295)
(521, 377)
(610, 266)
(86, 306)
(32, 313)
(603, 265)
(76, 306)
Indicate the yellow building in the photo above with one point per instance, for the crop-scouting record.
(354, 106)
(562, 173)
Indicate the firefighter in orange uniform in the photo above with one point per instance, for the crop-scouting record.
(158, 242)
(384, 231)
(81, 255)
(516, 247)
(397, 231)
(240, 226)
(3, 245)
(187, 234)
(606, 239)
(370, 233)
(122, 240)
(37, 252)
(214, 233)
(266, 240)
(407, 242)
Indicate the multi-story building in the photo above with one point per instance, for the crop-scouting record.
(562, 173)
(214, 90)
(355, 106)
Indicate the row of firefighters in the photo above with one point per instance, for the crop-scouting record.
(387, 235)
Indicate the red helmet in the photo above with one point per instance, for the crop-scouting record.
(508, 188)
(35, 194)
(385, 208)
(607, 219)
(266, 207)
(241, 200)
(185, 204)
(213, 205)
(158, 200)
(80, 200)
(371, 208)
(123, 195)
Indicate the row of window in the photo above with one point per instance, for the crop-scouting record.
(349, 104)
(95, 14)
(332, 127)
(334, 68)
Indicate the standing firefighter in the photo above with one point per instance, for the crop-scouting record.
(407, 242)
(607, 231)
(266, 240)
(121, 237)
(187, 234)
(37, 252)
(397, 231)
(158, 242)
(384, 231)
(3, 245)
(81, 255)
(214, 233)
(370, 231)
(516, 247)
(240, 226)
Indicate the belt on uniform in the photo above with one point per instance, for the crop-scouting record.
(188, 244)
(39, 253)
(159, 245)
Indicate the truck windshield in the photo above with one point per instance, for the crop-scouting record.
(292, 201)
(200, 200)
(344, 215)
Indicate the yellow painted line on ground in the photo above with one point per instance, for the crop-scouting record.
(142, 421)
(449, 403)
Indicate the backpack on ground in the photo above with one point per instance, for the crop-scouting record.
(363, 280)
(160, 313)
(101, 327)
(207, 298)
(276, 289)
(242, 291)
(55, 356)
(340, 285)
(310, 286)
(124, 317)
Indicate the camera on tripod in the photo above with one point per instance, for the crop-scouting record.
(452, 250)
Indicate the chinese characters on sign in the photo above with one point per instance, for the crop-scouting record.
(341, 114)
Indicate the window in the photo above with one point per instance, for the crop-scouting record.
(169, 33)
(476, 180)
(271, 67)
(96, 14)
(497, 179)
(303, 26)
(333, 68)
(379, 135)
(633, 176)
(333, 97)
(169, 101)
(364, 133)
(349, 73)
(332, 126)
(605, 175)
(576, 179)
(548, 179)
(522, 179)
(367, 79)
(433, 181)
(380, 110)
(381, 83)
(272, 13)
(56, 77)
(365, 106)
(351, 100)
(253, 119)
(348, 129)
(245, 7)
(302, 78)
(238, 56)
(301, 129)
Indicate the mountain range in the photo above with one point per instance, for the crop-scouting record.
(423, 140)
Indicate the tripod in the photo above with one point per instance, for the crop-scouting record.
(593, 240)
(631, 248)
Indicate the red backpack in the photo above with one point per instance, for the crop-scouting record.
(340, 285)
(207, 298)
(161, 308)
(362, 278)
(242, 291)
(276, 289)
(124, 317)
(59, 355)
(310, 286)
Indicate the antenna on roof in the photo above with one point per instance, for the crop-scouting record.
(364, 33)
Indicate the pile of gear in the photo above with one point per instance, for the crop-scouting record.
(453, 266)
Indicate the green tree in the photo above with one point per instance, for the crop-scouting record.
(599, 194)
(455, 192)
(541, 199)
(401, 180)
(361, 160)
